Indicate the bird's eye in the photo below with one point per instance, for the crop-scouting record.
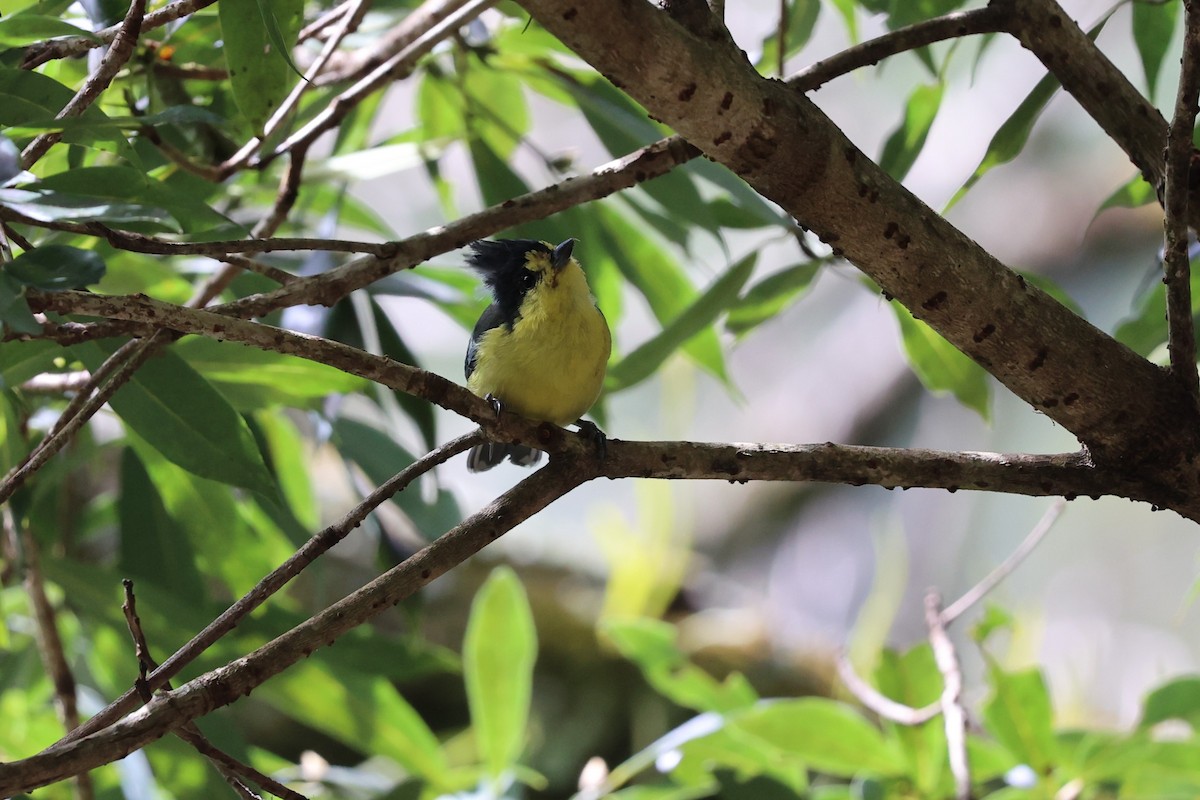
(529, 279)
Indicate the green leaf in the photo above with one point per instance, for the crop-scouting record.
(905, 144)
(765, 299)
(1178, 699)
(257, 40)
(495, 109)
(57, 267)
(182, 416)
(49, 206)
(375, 452)
(290, 457)
(152, 548)
(801, 20)
(830, 737)
(941, 366)
(699, 316)
(914, 680)
(652, 645)
(22, 29)
(1019, 715)
(1136, 193)
(1153, 26)
(250, 378)
(14, 309)
(1008, 142)
(499, 651)
(20, 361)
(659, 278)
(994, 619)
(14, 442)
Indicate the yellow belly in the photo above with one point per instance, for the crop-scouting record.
(548, 367)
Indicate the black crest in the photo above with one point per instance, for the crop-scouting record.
(501, 264)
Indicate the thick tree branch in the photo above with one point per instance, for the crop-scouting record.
(1117, 403)
(225, 685)
(1177, 269)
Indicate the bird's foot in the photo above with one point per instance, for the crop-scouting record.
(495, 403)
(597, 437)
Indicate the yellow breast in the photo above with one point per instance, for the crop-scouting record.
(550, 365)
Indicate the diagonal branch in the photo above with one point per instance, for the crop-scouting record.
(120, 51)
(226, 684)
(319, 543)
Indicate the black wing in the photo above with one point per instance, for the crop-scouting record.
(492, 317)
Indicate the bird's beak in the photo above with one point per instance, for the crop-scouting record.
(562, 254)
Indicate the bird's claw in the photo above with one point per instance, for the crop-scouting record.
(597, 437)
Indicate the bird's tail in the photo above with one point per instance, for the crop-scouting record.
(485, 456)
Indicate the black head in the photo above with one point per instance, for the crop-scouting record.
(511, 267)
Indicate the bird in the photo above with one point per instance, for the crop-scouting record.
(541, 348)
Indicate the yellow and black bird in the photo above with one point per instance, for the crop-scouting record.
(541, 347)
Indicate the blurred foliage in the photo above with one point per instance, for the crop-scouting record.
(212, 465)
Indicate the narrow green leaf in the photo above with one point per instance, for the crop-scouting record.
(941, 366)
(1019, 715)
(849, 11)
(257, 54)
(830, 737)
(652, 645)
(1153, 27)
(14, 441)
(152, 548)
(699, 316)
(375, 452)
(20, 361)
(1136, 193)
(181, 415)
(250, 378)
(659, 278)
(499, 651)
(290, 457)
(905, 144)
(14, 309)
(1008, 142)
(57, 267)
(21, 29)
(801, 20)
(914, 680)
(495, 110)
(768, 297)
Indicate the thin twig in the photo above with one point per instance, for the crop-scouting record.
(55, 383)
(1180, 158)
(50, 644)
(278, 578)
(399, 66)
(881, 704)
(1031, 541)
(415, 24)
(953, 714)
(120, 51)
(231, 769)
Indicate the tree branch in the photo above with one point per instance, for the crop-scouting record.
(120, 51)
(1180, 156)
(226, 684)
(1117, 403)
(319, 543)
